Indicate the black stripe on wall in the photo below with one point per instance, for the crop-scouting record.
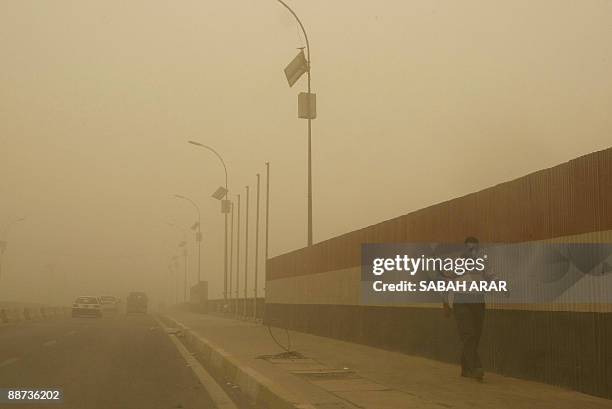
(567, 349)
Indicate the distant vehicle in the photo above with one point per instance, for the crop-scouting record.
(87, 306)
(109, 303)
(136, 302)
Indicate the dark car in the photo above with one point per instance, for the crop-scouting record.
(86, 306)
(136, 302)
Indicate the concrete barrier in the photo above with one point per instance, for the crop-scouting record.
(15, 315)
(31, 314)
(11, 314)
(48, 313)
(257, 387)
(230, 306)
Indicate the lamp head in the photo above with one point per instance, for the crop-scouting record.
(219, 193)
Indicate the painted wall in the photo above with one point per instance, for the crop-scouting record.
(316, 289)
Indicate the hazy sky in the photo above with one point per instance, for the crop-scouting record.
(418, 102)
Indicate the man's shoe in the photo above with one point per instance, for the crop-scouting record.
(477, 373)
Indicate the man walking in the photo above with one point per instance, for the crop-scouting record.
(468, 309)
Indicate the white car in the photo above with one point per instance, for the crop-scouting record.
(109, 303)
(87, 306)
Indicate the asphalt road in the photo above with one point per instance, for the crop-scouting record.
(120, 361)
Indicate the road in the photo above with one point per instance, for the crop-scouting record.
(119, 361)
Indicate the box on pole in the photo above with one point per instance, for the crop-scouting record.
(307, 105)
(226, 206)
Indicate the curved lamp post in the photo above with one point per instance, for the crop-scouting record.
(221, 194)
(310, 116)
(9, 225)
(182, 244)
(198, 234)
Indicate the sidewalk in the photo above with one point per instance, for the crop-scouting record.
(341, 375)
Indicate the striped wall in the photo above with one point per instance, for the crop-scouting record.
(569, 199)
(316, 289)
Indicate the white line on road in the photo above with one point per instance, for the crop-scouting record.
(8, 362)
(216, 393)
(50, 343)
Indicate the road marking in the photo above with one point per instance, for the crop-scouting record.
(69, 333)
(216, 393)
(8, 362)
(50, 343)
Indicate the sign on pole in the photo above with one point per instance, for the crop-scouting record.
(296, 68)
(307, 105)
(226, 206)
(220, 193)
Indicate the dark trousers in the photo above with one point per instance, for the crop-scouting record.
(469, 317)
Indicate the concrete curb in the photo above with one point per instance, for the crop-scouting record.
(15, 315)
(20, 314)
(256, 386)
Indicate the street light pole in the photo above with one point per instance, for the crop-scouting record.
(185, 278)
(231, 255)
(238, 257)
(10, 224)
(198, 234)
(169, 283)
(176, 280)
(183, 244)
(256, 250)
(224, 210)
(246, 250)
(309, 123)
(267, 216)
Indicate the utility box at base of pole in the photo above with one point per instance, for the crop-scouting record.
(198, 297)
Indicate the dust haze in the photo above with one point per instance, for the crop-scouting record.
(419, 102)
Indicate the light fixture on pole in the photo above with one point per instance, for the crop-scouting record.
(176, 284)
(183, 244)
(256, 251)
(246, 250)
(231, 258)
(267, 218)
(221, 194)
(236, 310)
(307, 104)
(198, 237)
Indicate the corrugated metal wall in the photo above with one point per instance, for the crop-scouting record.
(569, 199)
(567, 345)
